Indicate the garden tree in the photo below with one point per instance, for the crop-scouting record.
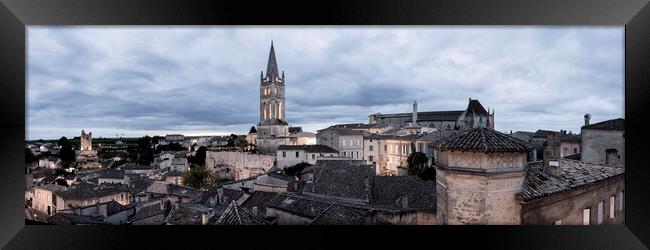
(241, 142)
(60, 171)
(295, 169)
(428, 174)
(231, 140)
(252, 130)
(196, 177)
(66, 153)
(61, 182)
(29, 157)
(145, 155)
(417, 163)
(155, 139)
(199, 157)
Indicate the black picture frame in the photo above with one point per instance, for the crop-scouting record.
(15, 15)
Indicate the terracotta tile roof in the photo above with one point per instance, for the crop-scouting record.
(343, 178)
(73, 219)
(258, 199)
(389, 191)
(234, 215)
(342, 215)
(301, 206)
(485, 140)
(572, 175)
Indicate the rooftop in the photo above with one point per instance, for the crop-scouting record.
(234, 215)
(342, 178)
(302, 206)
(309, 148)
(572, 174)
(484, 140)
(258, 199)
(390, 190)
(614, 124)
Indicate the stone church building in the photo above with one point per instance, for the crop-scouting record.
(272, 130)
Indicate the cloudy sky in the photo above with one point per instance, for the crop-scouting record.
(204, 80)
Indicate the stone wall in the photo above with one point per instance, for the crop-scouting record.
(237, 165)
(480, 160)
(568, 206)
(466, 198)
(595, 142)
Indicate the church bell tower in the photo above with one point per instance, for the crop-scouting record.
(272, 130)
(272, 92)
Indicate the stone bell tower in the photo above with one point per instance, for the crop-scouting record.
(272, 130)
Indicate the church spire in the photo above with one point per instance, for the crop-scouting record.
(272, 66)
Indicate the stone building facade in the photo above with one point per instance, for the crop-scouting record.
(290, 155)
(473, 116)
(272, 130)
(604, 142)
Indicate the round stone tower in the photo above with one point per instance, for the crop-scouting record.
(478, 175)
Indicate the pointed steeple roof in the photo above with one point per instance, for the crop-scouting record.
(272, 66)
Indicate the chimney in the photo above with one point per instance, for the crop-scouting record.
(552, 153)
(254, 210)
(204, 219)
(220, 198)
(587, 117)
(371, 217)
(404, 200)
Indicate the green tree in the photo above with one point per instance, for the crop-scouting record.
(241, 142)
(145, 152)
(428, 174)
(29, 156)
(417, 163)
(295, 169)
(196, 177)
(66, 153)
(199, 157)
(60, 171)
(61, 182)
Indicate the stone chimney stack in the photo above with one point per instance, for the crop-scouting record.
(552, 153)
(587, 117)
(204, 219)
(220, 199)
(404, 201)
(254, 210)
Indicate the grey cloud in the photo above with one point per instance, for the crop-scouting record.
(187, 79)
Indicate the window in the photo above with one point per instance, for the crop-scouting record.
(313, 156)
(284, 154)
(357, 154)
(575, 150)
(370, 148)
(620, 201)
(612, 202)
(385, 147)
(297, 154)
(611, 156)
(600, 212)
(585, 216)
(370, 158)
(558, 222)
